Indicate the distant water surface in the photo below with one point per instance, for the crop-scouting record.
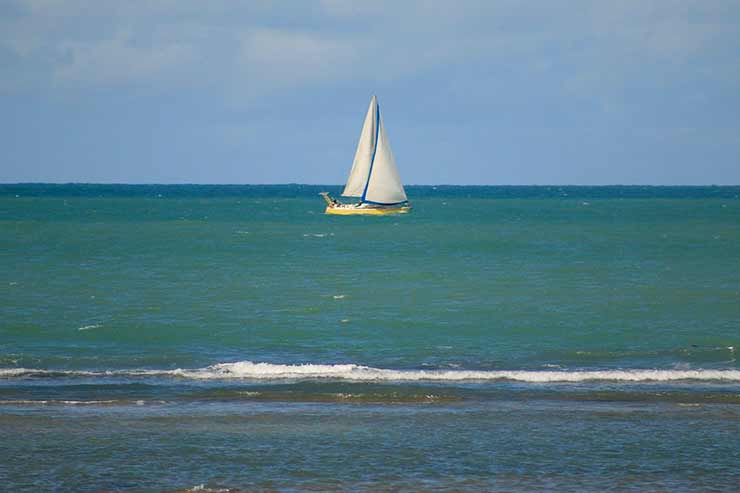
(523, 338)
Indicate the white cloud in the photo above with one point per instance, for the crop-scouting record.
(276, 57)
(119, 61)
(254, 48)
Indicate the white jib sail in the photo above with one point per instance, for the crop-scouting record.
(384, 184)
(363, 156)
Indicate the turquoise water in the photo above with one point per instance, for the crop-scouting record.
(521, 338)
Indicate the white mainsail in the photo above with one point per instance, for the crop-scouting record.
(374, 175)
(384, 184)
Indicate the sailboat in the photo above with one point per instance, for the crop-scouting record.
(374, 177)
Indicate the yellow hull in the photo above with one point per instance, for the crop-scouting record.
(347, 211)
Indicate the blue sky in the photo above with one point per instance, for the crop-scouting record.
(472, 92)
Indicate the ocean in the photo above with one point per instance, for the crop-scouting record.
(235, 338)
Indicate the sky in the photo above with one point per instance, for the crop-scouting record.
(497, 92)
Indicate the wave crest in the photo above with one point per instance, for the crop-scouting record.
(248, 370)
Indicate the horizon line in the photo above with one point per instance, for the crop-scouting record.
(25, 183)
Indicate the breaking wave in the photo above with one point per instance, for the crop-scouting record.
(248, 370)
(61, 402)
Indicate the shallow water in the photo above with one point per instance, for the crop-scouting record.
(521, 338)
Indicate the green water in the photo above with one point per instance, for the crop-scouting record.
(259, 343)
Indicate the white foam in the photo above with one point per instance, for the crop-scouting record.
(90, 327)
(206, 489)
(87, 403)
(248, 370)
(267, 371)
(37, 372)
(62, 403)
(17, 372)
